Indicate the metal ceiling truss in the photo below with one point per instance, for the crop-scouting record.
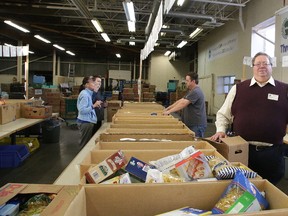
(67, 22)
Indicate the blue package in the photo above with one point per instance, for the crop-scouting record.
(138, 168)
(241, 182)
(9, 209)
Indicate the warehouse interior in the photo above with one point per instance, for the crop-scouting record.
(146, 65)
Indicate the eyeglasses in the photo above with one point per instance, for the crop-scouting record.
(259, 64)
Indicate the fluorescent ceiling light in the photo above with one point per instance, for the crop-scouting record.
(162, 34)
(31, 52)
(42, 39)
(97, 25)
(180, 2)
(16, 26)
(167, 53)
(105, 37)
(131, 26)
(129, 10)
(165, 26)
(58, 47)
(118, 55)
(6, 44)
(195, 33)
(183, 43)
(132, 43)
(70, 53)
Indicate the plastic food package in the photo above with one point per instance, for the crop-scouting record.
(240, 193)
(168, 163)
(222, 169)
(35, 205)
(156, 176)
(194, 167)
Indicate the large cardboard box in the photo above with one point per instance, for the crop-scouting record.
(145, 121)
(152, 199)
(152, 145)
(149, 131)
(112, 108)
(65, 195)
(37, 112)
(141, 137)
(7, 113)
(178, 125)
(234, 149)
(20, 103)
(95, 156)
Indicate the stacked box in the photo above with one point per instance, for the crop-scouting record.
(112, 108)
(148, 96)
(7, 113)
(37, 112)
(5, 87)
(53, 99)
(35, 92)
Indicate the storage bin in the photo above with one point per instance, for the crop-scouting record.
(31, 143)
(12, 155)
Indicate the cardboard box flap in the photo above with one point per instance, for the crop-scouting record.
(80, 202)
(61, 202)
(41, 188)
(9, 190)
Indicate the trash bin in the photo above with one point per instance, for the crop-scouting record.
(51, 131)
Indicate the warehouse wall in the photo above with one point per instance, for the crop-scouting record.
(230, 63)
(162, 70)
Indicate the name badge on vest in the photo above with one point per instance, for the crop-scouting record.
(273, 97)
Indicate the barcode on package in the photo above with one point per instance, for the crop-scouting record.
(96, 175)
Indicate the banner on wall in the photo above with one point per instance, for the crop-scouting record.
(226, 46)
(283, 14)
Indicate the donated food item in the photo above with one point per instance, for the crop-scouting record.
(153, 140)
(35, 205)
(240, 196)
(222, 169)
(194, 167)
(186, 211)
(122, 179)
(138, 168)
(156, 176)
(106, 168)
(9, 209)
(168, 163)
(127, 140)
(228, 172)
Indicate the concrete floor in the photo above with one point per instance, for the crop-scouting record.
(49, 161)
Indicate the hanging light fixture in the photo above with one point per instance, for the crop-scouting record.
(16, 26)
(130, 15)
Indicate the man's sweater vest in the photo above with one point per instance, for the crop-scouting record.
(261, 114)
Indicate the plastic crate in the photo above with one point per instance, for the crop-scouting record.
(31, 143)
(12, 155)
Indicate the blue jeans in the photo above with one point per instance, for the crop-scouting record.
(199, 130)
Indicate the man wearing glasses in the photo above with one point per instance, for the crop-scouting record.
(257, 109)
